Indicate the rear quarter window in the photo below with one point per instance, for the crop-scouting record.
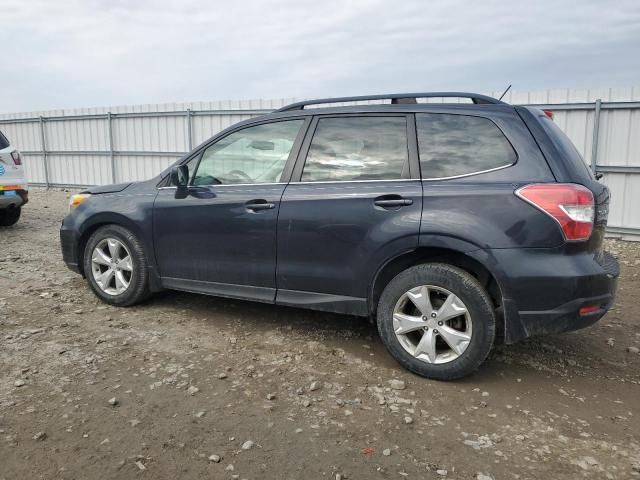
(456, 145)
(564, 144)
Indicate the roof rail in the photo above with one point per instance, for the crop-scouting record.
(396, 98)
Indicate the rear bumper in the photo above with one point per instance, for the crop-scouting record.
(13, 198)
(562, 319)
(567, 317)
(544, 289)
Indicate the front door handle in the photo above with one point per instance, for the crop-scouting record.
(392, 201)
(258, 205)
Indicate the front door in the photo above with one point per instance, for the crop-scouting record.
(355, 199)
(218, 236)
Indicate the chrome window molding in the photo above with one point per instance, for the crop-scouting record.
(432, 179)
(359, 181)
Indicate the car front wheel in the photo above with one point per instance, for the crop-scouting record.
(437, 321)
(115, 266)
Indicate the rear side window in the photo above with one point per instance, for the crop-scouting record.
(4, 143)
(357, 148)
(454, 145)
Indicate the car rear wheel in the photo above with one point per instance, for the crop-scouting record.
(115, 266)
(9, 216)
(437, 321)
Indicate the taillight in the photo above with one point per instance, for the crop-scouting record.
(548, 113)
(571, 205)
(16, 157)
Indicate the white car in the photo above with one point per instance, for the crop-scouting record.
(13, 184)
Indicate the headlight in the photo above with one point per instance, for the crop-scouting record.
(77, 199)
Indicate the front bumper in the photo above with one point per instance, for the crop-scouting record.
(69, 242)
(543, 290)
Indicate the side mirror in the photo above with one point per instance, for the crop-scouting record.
(180, 176)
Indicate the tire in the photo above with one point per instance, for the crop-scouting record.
(137, 289)
(474, 329)
(9, 216)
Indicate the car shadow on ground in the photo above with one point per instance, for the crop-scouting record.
(260, 315)
(560, 354)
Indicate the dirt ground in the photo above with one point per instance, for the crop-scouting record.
(189, 386)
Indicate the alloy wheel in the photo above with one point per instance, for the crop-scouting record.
(111, 266)
(432, 324)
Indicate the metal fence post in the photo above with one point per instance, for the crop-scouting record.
(189, 132)
(596, 131)
(43, 143)
(111, 156)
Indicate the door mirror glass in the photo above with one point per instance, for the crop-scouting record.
(180, 176)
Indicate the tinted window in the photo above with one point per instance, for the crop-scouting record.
(251, 155)
(565, 145)
(357, 148)
(4, 143)
(452, 145)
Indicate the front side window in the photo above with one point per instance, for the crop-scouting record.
(255, 154)
(357, 148)
(453, 145)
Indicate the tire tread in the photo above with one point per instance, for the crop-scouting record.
(139, 291)
(475, 297)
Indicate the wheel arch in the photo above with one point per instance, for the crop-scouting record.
(450, 256)
(94, 222)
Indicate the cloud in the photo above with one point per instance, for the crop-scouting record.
(100, 52)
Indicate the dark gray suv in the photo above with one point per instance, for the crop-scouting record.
(452, 225)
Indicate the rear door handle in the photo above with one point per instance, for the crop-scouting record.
(391, 201)
(258, 205)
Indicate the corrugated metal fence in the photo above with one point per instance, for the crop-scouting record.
(95, 146)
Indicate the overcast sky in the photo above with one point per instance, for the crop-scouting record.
(75, 53)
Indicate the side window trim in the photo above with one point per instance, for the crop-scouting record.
(197, 156)
(287, 172)
(304, 150)
(412, 138)
(463, 175)
(413, 159)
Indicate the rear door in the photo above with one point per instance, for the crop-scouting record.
(355, 199)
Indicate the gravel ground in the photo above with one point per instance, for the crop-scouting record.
(189, 386)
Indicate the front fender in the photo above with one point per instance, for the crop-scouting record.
(131, 210)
